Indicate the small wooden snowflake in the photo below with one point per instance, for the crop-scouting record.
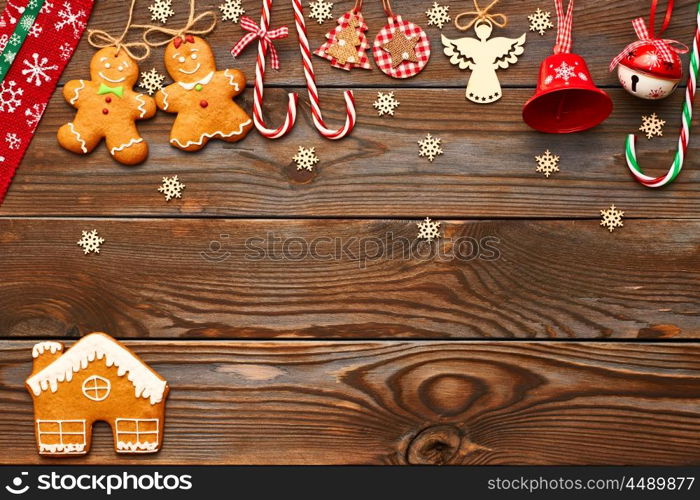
(171, 188)
(611, 218)
(321, 10)
(151, 81)
(547, 163)
(305, 158)
(652, 126)
(386, 103)
(430, 147)
(90, 242)
(161, 10)
(231, 10)
(438, 15)
(428, 230)
(540, 21)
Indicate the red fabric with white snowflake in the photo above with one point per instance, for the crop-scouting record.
(406, 69)
(36, 69)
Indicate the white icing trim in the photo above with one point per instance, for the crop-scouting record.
(77, 92)
(61, 449)
(137, 447)
(49, 345)
(217, 134)
(125, 145)
(147, 384)
(203, 81)
(231, 80)
(142, 106)
(165, 99)
(77, 136)
(120, 80)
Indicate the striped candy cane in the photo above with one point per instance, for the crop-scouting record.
(259, 84)
(686, 119)
(351, 115)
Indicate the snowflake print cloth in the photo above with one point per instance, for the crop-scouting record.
(31, 79)
(344, 22)
(383, 58)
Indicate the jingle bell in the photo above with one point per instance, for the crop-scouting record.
(566, 100)
(643, 73)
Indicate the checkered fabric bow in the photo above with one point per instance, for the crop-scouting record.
(664, 47)
(265, 37)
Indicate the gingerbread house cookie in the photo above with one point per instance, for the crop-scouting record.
(96, 379)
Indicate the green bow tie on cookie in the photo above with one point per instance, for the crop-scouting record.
(104, 89)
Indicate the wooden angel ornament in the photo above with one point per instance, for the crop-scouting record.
(483, 55)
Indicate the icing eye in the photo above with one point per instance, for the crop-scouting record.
(107, 65)
(194, 56)
(181, 59)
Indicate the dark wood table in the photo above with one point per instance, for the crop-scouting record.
(572, 346)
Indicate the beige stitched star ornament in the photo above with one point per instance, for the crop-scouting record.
(401, 48)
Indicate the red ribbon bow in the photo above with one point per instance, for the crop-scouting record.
(265, 37)
(664, 47)
(182, 39)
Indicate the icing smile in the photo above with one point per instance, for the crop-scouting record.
(119, 80)
(190, 72)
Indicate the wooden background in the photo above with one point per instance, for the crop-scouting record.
(568, 345)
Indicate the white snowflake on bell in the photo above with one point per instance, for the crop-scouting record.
(644, 73)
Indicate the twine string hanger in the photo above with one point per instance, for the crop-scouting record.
(386, 5)
(358, 7)
(479, 15)
(187, 29)
(100, 39)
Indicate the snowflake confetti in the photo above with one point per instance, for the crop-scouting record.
(429, 147)
(151, 81)
(540, 21)
(428, 230)
(611, 218)
(652, 126)
(10, 96)
(161, 10)
(305, 158)
(438, 15)
(385, 103)
(171, 188)
(13, 141)
(34, 114)
(75, 20)
(231, 10)
(36, 71)
(321, 10)
(547, 163)
(90, 242)
(564, 71)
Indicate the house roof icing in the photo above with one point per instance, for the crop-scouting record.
(147, 384)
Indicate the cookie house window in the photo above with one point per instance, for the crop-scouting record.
(96, 388)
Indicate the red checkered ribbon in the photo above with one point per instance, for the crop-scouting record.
(265, 36)
(564, 25)
(664, 47)
(383, 58)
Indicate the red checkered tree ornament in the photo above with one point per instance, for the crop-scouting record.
(401, 48)
(346, 44)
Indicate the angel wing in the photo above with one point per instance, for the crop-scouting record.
(505, 51)
(462, 52)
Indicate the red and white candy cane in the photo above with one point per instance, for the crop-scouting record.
(259, 83)
(351, 115)
(686, 119)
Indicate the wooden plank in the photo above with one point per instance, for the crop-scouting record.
(397, 402)
(351, 279)
(487, 170)
(601, 30)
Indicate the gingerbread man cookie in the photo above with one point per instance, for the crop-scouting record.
(201, 96)
(107, 108)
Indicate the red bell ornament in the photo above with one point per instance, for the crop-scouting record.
(566, 99)
(650, 67)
